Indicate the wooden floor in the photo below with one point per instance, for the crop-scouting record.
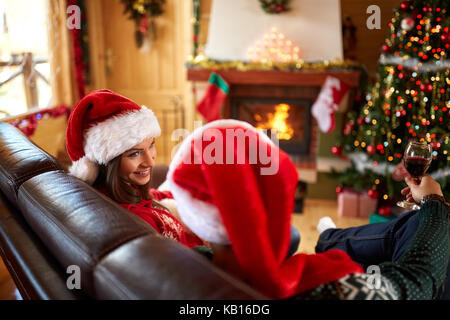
(7, 286)
(313, 210)
(305, 222)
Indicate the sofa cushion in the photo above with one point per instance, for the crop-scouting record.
(77, 224)
(35, 272)
(153, 267)
(20, 159)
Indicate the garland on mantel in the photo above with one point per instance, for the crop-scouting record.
(202, 62)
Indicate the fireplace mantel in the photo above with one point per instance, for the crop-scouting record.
(273, 77)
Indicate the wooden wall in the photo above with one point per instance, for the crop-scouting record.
(368, 41)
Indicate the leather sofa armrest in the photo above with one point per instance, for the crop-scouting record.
(153, 267)
(35, 272)
(20, 160)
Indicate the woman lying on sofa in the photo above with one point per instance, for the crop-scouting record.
(245, 215)
(111, 142)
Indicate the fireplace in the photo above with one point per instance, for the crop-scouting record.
(290, 117)
(255, 94)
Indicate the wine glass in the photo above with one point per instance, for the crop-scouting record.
(417, 160)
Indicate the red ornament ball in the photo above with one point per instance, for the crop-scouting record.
(348, 129)
(426, 87)
(338, 190)
(336, 150)
(373, 194)
(405, 5)
(445, 37)
(427, 9)
(371, 149)
(435, 144)
(385, 211)
(407, 24)
(386, 48)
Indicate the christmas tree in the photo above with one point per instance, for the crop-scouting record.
(409, 101)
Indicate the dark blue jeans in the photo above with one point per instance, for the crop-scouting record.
(375, 243)
(293, 246)
(295, 241)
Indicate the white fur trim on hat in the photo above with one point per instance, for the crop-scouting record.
(201, 217)
(110, 138)
(84, 169)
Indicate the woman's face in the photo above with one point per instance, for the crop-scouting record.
(136, 164)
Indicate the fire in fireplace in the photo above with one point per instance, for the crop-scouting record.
(290, 117)
(276, 121)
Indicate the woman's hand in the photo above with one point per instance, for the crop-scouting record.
(415, 192)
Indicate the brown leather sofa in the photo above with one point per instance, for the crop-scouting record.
(50, 221)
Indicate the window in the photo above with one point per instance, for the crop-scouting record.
(24, 53)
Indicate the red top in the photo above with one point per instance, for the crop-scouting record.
(161, 220)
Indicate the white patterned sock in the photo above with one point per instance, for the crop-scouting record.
(324, 224)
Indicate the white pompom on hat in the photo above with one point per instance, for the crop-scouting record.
(102, 126)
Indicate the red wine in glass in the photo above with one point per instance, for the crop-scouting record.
(417, 160)
(417, 166)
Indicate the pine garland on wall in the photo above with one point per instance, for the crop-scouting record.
(143, 12)
(274, 6)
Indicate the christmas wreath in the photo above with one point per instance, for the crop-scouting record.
(143, 12)
(274, 6)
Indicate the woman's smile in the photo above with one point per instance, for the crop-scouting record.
(142, 174)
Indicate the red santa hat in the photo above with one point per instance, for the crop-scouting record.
(225, 196)
(102, 126)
